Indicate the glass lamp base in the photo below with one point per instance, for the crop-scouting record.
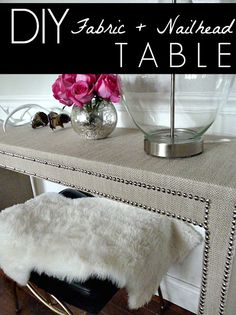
(164, 146)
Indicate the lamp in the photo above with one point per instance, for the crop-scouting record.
(174, 111)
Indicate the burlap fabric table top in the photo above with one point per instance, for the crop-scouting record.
(124, 148)
(200, 189)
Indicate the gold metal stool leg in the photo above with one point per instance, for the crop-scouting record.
(163, 304)
(63, 310)
(16, 300)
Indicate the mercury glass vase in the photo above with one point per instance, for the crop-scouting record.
(96, 122)
(174, 111)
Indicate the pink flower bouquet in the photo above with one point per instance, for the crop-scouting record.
(86, 89)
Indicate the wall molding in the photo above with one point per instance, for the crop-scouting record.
(180, 293)
(13, 100)
(224, 124)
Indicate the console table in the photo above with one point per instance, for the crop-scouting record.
(200, 190)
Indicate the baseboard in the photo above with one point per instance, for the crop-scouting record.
(180, 293)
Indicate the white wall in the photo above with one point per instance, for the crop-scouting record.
(16, 90)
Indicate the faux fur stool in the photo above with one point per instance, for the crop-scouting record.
(75, 240)
(91, 295)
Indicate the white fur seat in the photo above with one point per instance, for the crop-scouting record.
(74, 239)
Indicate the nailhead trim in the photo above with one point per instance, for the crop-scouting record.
(228, 265)
(140, 205)
(112, 178)
(205, 258)
(145, 207)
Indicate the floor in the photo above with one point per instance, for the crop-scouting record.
(117, 306)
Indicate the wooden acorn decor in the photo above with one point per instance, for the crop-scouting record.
(54, 119)
(40, 119)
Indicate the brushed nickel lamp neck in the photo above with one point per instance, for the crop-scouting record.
(167, 145)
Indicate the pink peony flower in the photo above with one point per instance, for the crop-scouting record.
(89, 78)
(80, 93)
(80, 89)
(107, 87)
(68, 79)
(60, 91)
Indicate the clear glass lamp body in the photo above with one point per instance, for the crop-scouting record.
(197, 100)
